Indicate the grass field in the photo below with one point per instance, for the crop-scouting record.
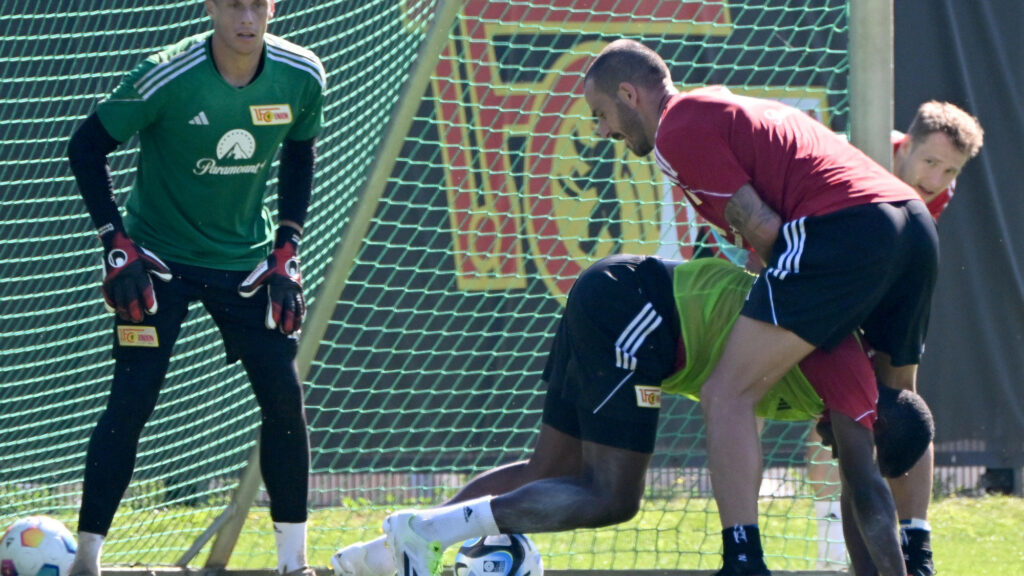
(972, 537)
(978, 536)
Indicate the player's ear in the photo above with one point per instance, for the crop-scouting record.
(210, 7)
(904, 146)
(270, 9)
(629, 94)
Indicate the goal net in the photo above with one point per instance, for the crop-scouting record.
(429, 369)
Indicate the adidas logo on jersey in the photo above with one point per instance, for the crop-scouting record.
(199, 120)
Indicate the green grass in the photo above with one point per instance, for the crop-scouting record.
(978, 536)
(971, 536)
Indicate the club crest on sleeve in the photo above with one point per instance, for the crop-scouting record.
(648, 396)
(139, 336)
(271, 114)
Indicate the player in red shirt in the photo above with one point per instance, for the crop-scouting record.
(846, 245)
(940, 141)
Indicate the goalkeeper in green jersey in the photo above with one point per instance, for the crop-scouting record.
(211, 113)
(635, 328)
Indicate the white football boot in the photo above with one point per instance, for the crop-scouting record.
(413, 554)
(353, 560)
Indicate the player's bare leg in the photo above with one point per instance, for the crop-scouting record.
(756, 355)
(607, 490)
(555, 454)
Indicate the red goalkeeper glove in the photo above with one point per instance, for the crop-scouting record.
(127, 288)
(280, 273)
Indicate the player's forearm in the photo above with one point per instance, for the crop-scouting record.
(876, 518)
(754, 220)
(295, 182)
(87, 155)
(868, 495)
(860, 558)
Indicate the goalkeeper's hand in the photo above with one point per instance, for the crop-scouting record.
(127, 288)
(283, 279)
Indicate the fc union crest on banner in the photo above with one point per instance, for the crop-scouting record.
(583, 197)
(524, 168)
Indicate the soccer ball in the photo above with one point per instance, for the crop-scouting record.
(502, 555)
(36, 546)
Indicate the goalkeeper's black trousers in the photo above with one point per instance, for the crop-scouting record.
(142, 353)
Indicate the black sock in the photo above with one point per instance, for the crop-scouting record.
(741, 546)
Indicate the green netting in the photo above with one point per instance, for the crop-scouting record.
(429, 370)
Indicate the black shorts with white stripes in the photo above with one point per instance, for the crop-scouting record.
(617, 340)
(870, 267)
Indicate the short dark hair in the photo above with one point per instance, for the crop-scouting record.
(903, 431)
(627, 61)
(963, 129)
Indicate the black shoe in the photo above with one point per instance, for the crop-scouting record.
(920, 564)
(917, 552)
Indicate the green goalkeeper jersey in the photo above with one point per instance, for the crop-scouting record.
(206, 147)
(709, 294)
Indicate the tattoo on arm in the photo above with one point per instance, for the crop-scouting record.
(751, 218)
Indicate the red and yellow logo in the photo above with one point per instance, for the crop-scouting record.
(140, 336)
(648, 396)
(271, 114)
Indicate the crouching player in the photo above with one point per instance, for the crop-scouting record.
(635, 327)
